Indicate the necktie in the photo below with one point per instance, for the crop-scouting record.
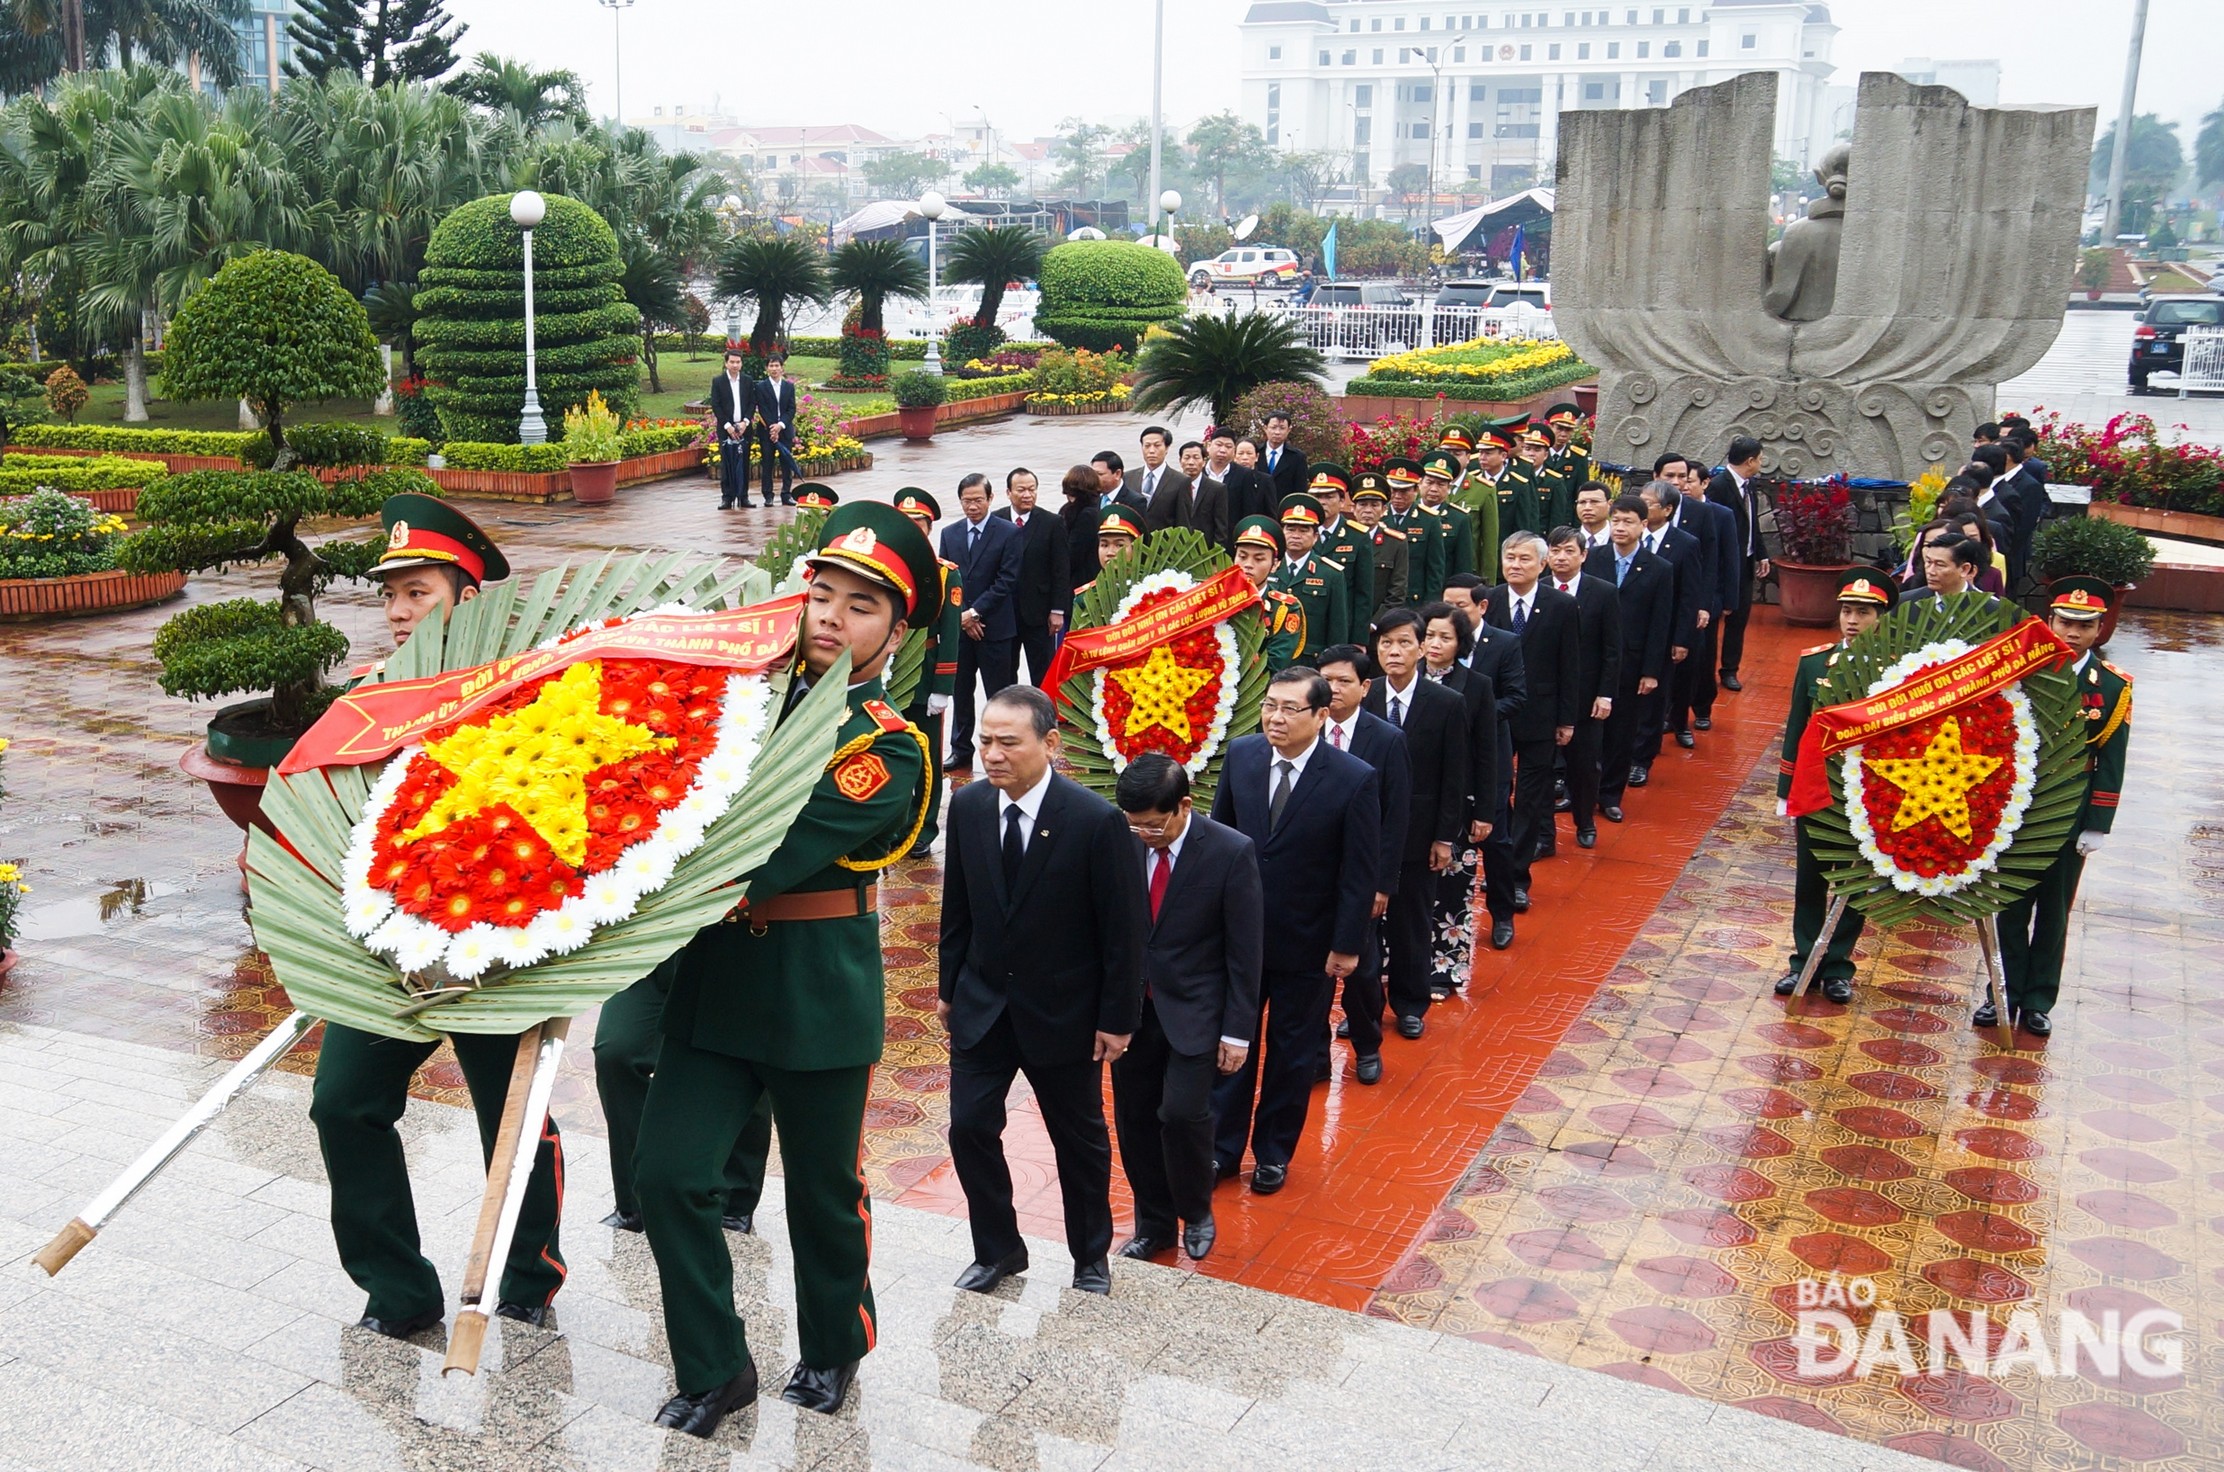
(974, 538)
(1150, 485)
(1648, 541)
(1621, 571)
(1013, 849)
(1521, 614)
(1273, 458)
(1019, 523)
(1160, 871)
(1397, 711)
(1287, 773)
(1563, 587)
(1336, 737)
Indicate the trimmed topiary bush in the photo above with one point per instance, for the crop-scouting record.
(1102, 294)
(970, 340)
(471, 318)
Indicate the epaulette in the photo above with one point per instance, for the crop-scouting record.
(946, 562)
(2121, 674)
(1330, 562)
(1391, 531)
(1427, 510)
(889, 719)
(365, 671)
(1819, 648)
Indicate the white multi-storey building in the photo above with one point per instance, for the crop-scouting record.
(1473, 91)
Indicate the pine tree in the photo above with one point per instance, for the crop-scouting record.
(379, 40)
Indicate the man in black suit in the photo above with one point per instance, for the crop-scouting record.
(1733, 487)
(1158, 485)
(987, 555)
(773, 400)
(1437, 729)
(1347, 669)
(1497, 658)
(1551, 661)
(1684, 556)
(2025, 494)
(1599, 617)
(1042, 598)
(1691, 707)
(731, 398)
(1208, 513)
(1316, 816)
(1283, 463)
(1112, 488)
(1200, 1002)
(1043, 932)
(1646, 596)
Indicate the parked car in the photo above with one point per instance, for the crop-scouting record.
(2158, 342)
(1460, 307)
(1246, 265)
(1361, 319)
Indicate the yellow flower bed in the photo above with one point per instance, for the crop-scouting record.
(1520, 355)
(1117, 391)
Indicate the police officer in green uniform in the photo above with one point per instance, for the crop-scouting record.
(1317, 582)
(1864, 596)
(1259, 553)
(1370, 501)
(1342, 540)
(1485, 492)
(938, 677)
(1402, 478)
(786, 998)
(1568, 455)
(436, 557)
(2034, 931)
(1555, 493)
(1440, 469)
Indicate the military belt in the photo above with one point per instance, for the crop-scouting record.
(817, 904)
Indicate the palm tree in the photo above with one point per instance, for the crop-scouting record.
(995, 256)
(772, 271)
(2208, 150)
(392, 307)
(1216, 360)
(122, 31)
(873, 271)
(653, 287)
(536, 98)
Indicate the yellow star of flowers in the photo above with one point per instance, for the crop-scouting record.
(536, 760)
(1159, 689)
(1936, 784)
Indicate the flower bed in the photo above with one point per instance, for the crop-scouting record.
(2125, 461)
(1491, 369)
(873, 426)
(837, 454)
(115, 439)
(107, 482)
(1104, 401)
(93, 592)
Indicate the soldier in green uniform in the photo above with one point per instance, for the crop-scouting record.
(787, 998)
(813, 496)
(1499, 495)
(1440, 470)
(938, 679)
(1406, 516)
(1864, 596)
(1117, 530)
(2034, 931)
(1459, 444)
(436, 557)
(1317, 582)
(1568, 455)
(1259, 553)
(1341, 539)
(1555, 493)
(1370, 500)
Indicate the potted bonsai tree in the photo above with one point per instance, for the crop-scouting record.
(2087, 546)
(1814, 525)
(918, 394)
(2093, 266)
(594, 443)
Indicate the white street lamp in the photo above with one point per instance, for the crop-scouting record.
(528, 209)
(617, 57)
(932, 207)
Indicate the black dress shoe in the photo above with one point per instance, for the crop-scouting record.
(1268, 1179)
(2038, 1024)
(819, 1390)
(1093, 1277)
(1638, 777)
(1369, 1071)
(1223, 1171)
(1343, 1029)
(1986, 1015)
(623, 1221)
(1501, 934)
(1837, 989)
(1439, 993)
(1144, 1247)
(1546, 851)
(982, 1277)
(400, 1328)
(1409, 1027)
(1198, 1237)
(958, 764)
(1702, 723)
(1521, 899)
(535, 1314)
(1730, 681)
(744, 1222)
(1562, 803)
(1611, 813)
(699, 1415)
(1586, 838)
(1787, 983)
(1686, 740)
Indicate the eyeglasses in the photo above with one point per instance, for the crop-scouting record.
(1149, 830)
(1283, 708)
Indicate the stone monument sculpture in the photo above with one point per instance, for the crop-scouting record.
(1870, 342)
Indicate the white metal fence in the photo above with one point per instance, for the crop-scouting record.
(1369, 332)
(2203, 370)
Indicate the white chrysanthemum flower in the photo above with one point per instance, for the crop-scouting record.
(366, 912)
(412, 943)
(646, 866)
(606, 898)
(515, 946)
(560, 931)
(473, 951)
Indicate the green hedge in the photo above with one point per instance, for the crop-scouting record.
(658, 441)
(1503, 390)
(1101, 293)
(145, 441)
(962, 389)
(22, 474)
(485, 455)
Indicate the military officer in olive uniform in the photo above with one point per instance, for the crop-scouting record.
(2034, 931)
(1317, 582)
(1459, 444)
(1370, 500)
(1440, 470)
(1497, 494)
(938, 677)
(1407, 517)
(787, 998)
(1343, 540)
(1568, 455)
(1864, 596)
(1259, 553)
(812, 496)
(1555, 493)
(436, 558)
(1118, 529)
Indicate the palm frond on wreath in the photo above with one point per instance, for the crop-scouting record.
(798, 538)
(1175, 549)
(294, 881)
(907, 668)
(2057, 787)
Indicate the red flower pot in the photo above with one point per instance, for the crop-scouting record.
(1808, 595)
(916, 423)
(595, 482)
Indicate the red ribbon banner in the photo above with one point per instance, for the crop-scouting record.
(372, 722)
(1932, 690)
(1209, 603)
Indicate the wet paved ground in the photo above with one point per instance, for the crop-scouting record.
(1616, 1152)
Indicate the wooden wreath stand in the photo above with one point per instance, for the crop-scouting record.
(532, 1079)
(1994, 988)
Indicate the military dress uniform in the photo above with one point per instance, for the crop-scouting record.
(1479, 496)
(2034, 931)
(1345, 543)
(1456, 529)
(1390, 549)
(1285, 616)
(1424, 552)
(787, 998)
(1810, 892)
(1316, 582)
(1555, 493)
(1572, 460)
(938, 678)
(362, 1079)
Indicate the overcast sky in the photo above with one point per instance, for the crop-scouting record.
(905, 67)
